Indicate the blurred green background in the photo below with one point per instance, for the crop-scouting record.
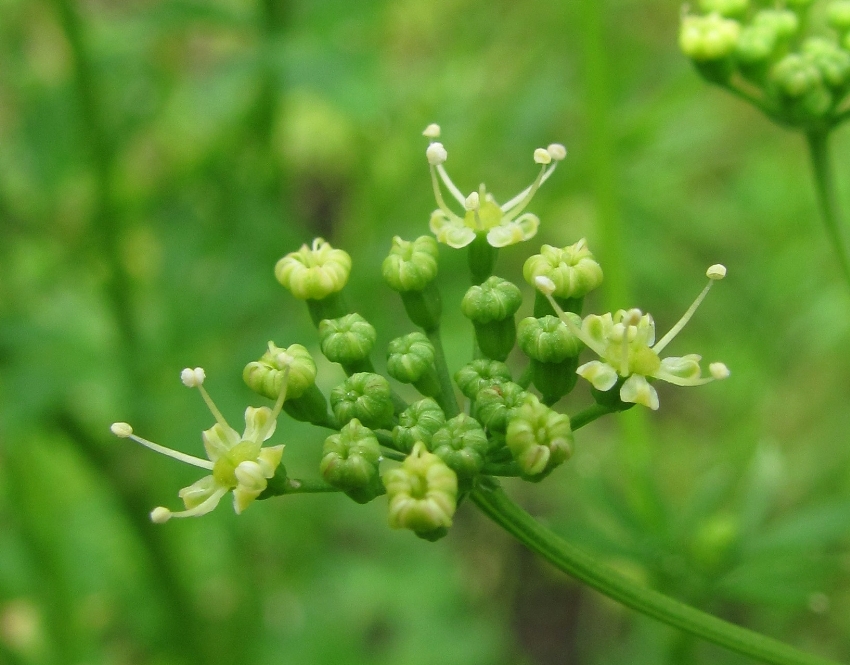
(158, 156)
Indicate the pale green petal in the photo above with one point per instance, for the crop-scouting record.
(256, 420)
(601, 375)
(504, 235)
(450, 232)
(242, 498)
(218, 440)
(684, 371)
(529, 224)
(269, 459)
(598, 328)
(637, 390)
(198, 492)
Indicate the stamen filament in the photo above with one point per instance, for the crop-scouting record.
(213, 408)
(204, 507)
(512, 212)
(624, 361)
(444, 176)
(278, 405)
(439, 196)
(675, 330)
(175, 454)
(506, 207)
(574, 329)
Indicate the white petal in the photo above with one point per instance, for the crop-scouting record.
(198, 492)
(218, 440)
(269, 459)
(601, 375)
(258, 423)
(637, 390)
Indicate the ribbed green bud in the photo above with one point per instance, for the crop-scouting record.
(795, 75)
(491, 307)
(411, 266)
(364, 396)
(422, 494)
(479, 374)
(314, 273)
(265, 375)
(724, 7)
(832, 62)
(548, 339)
(347, 340)
(495, 404)
(756, 44)
(786, 23)
(573, 269)
(418, 422)
(708, 38)
(350, 462)
(539, 438)
(838, 15)
(462, 444)
(410, 357)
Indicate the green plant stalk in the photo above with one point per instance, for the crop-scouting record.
(818, 142)
(585, 568)
(446, 397)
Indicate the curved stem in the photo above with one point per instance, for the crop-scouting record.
(827, 199)
(588, 415)
(566, 557)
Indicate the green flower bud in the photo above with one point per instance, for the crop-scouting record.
(265, 375)
(410, 357)
(573, 269)
(708, 38)
(422, 494)
(724, 7)
(548, 339)
(784, 22)
(347, 340)
(350, 462)
(838, 15)
(364, 396)
(795, 75)
(832, 62)
(495, 404)
(756, 44)
(479, 374)
(462, 444)
(411, 266)
(314, 273)
(539, 438)
(418, 422)
(491, 307)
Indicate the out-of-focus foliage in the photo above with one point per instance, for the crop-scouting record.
(158, 156)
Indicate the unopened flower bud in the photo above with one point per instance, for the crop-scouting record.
(756, 44)
(265, 376)
(314, 273)
(838, 15)
(708, 38)
(724, 7)
(783, 21)
(350, 462)
(572, 269)
(411, 266)
(364, 396)
(418, 422)
(462, 444)
(548, 339)
(539, 438)
(494, 405)
(479, 374)
(832, 61)
(347, 340)
(422, 494)
(795, 75)
(491, 307)
(436, 154)
(410, 357)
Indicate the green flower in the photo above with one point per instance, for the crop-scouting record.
(422, 494)
(347, 340)
(832, 62)
(418, 422)
(491, 307)
(265, 376)
(462, 444)
(350, 462)
(756, 44)
(411, 266)
(314, 273)
(410, 357)
(237, 463)
(539, 438)
(573, 269)
(474, 376)
(548, 339)
(708, 38)
(502, 225)
(495, 404)
(364, 396)
(783, 21)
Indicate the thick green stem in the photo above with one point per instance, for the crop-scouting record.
(827, 200)
(446, 397)
(564, 556)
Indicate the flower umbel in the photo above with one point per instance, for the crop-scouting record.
(502, 225)
(238, 463)
(625, 341)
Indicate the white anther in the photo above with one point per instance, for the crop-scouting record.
(632, 317)
(545, 285)
(436, 154)
(719, 371)
(432, 131)
(284, 359)
(192, 378)
(122, 430)
(160, 515)
(716, 272)
(542, 156)
(556, 151)
(473, 201)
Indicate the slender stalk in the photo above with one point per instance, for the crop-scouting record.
(571, 560)
(447, 392)
(818, 141)
(294, 486)
(588, 415)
